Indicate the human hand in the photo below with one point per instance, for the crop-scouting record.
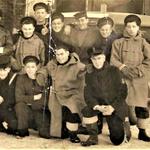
(100, 108)
(1, 99)
(108, 110)
(44, 30)
(37, 97)
(126, 72)
(67, 30)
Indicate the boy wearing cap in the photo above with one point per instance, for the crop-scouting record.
(131, 54)
(67, 74)
(60, 31)
(28, 44)
(42, 27)
(8, 121)
(104, 94)
(6, 43)
(31, 100)
(106, 35)
(83, 37)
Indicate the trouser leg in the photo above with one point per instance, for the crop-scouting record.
(116, 129)
(142, 119)
(22, 114)
(72, 122)
(90, 119)
(9, 117)
(42, 120)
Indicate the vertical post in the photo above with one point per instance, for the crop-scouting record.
(86, 5)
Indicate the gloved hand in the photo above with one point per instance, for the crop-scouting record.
(136, 73)
(127, 73)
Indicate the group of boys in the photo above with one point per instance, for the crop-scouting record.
(84, 87)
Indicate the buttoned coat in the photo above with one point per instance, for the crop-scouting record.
(134, 53)
(67, 89)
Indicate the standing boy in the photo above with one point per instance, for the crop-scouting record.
(131, 54)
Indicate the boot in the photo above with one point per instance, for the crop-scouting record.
(143, 136)
(82, 130)
(73, 137)
(93, 132)
(22, 132)
(92, 140)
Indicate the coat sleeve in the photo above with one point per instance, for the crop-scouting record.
(116, 54)
(8, 47)
(42, 52)
(145, 66)
(90, 99)
(119, 100)
(42, 74)
(20, 92)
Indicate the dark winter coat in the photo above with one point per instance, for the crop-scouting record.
(104, 87)
(82, 40)
(106, 43)
(26, 88)
(134, 53)
(7, 91)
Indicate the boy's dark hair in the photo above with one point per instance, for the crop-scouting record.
(28, 20)
(29, 58)
(40, 5)
(57, 15)
(103, 21)
(132, 18)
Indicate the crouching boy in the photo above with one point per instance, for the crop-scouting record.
(8, 121)
(31, 100)
(105, 94)
(67, 74)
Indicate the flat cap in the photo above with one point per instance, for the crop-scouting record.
(94, 51)
(30, 58)
(40, 5)
(4, 61)
(80, 15)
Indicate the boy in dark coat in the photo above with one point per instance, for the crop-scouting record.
(106, 35)
(104, 93)
(31, 100)
(7, 96)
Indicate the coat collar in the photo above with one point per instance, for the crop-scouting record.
(73, 60)
(127, 36)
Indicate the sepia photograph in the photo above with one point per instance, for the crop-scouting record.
(74, 74)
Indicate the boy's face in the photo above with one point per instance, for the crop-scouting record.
(4, 72)
(40, 15)
(132, 28)
(30, 69)
(82, 23)
(28, 30)
(62, 55)
(57, 25)
(98, 61)
(105, 30)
